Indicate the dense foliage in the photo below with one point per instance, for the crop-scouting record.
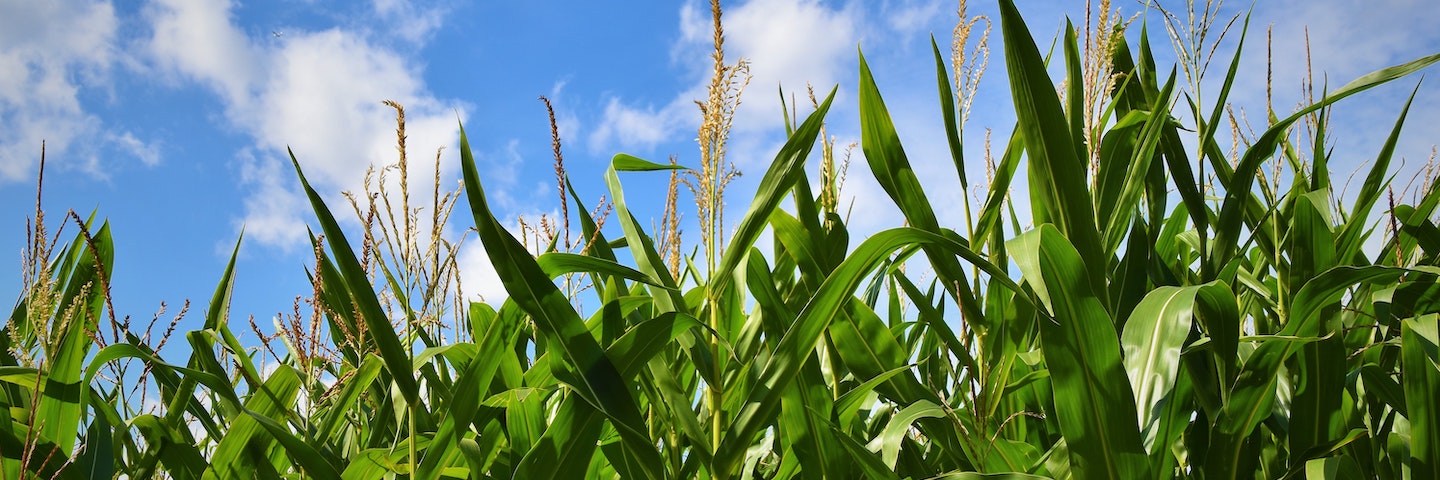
(1155, 321)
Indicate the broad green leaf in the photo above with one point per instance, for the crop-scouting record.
(1253, 394)
(988, 476)
(239, 453)
(873, 467)
(556, 264)
(1057, 176)
(1123, 206)
(567, 445)
(1420, 366)
(1153, 337)
(59, 414)
(1352, 233)
(1094, 403)
(349, 395)
(180, 459)
(632, 351)
(804, 408)
(953, 129)
(311, 461)
(899, 426)
(1332, 468)
(472, 385)
(96, 458)
(642, 248)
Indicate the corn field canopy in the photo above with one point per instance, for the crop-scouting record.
(1152, 304)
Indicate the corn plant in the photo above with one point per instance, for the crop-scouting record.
(1153, 321)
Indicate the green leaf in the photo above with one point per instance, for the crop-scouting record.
(796, 346)
(362, 378)
(1253, 394)
(642, 248)
(1420, 367)
(240, 453)
(988, 476)
(892, 170)
(872, 467)
(180, 458)
(567, 445)
(1094, 404)
(1153, 338)
(1229, 223)
(788, 166)
(899, 426)
(1121, 208)
(357, 283)
(632, 351)
(600, 383)
(472, 385)
(953, 128)
(59, 414)
(556, 264)
(1057, 176)
(1351, 233)
(311, 461)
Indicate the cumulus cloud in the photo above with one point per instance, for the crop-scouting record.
(316, 93)
(43, 70)
(197, 39)
(789, 43)
(273, 209)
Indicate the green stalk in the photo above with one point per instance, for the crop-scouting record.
(714, 392)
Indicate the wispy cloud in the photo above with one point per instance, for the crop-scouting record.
(412, 22)
(147, 152)
(623, 126)
(912, 15)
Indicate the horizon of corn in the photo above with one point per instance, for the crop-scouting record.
(1174, 311)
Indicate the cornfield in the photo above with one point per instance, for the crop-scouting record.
(1170, 311)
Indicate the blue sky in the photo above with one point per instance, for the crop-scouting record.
(171, 117)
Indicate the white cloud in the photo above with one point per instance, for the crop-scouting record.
(413, 23)
(273, 210)
(147, 152)
(1347, 38)
(624, 126)
(42, 71)
(478, 278)
(911, 16)
(198, 39)
(317, 94)
(787, 42)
